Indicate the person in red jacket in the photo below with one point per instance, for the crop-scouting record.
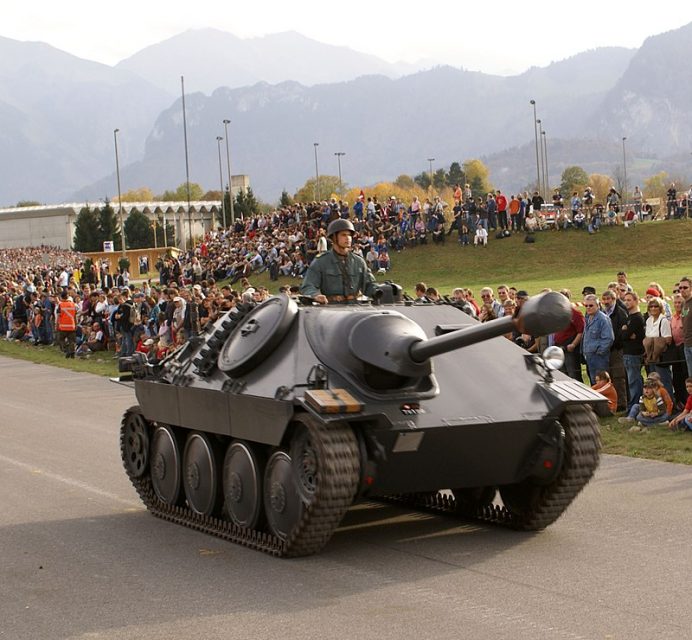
(501, 202)
(66, 324)
(569, 340)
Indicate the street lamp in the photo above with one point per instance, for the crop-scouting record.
(187, 164)
(535, 133)
(545, 155)
(338, 155)
(430, 161)
(223, 198)
(541, 185)
(228, 163)
(624, 168)
(317, 174)
(120, 200)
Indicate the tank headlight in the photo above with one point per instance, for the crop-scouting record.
(554, 358)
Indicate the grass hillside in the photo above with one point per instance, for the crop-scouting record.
(654, 251)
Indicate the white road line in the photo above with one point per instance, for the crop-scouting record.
(68, 481)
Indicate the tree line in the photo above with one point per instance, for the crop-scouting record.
(94, 226)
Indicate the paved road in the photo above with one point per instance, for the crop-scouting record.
(80, 558)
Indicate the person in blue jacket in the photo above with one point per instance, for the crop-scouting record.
(597, 339)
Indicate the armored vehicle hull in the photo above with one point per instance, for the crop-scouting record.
(269, 426)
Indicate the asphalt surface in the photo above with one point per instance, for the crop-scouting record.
(81, 558)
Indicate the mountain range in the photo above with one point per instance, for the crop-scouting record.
(284, 93)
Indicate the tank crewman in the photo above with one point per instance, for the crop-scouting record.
(66, 324)
(338, 276)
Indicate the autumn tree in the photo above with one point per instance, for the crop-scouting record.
(477, 175)
(600, 186)
(180, 194)
(573, 179)
(404, 182)
(656, 186)
(328, 186)
(143, 194)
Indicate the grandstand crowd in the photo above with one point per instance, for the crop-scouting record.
(117, 317)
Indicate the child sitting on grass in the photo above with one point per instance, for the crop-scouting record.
(652, 408)
(605, 387)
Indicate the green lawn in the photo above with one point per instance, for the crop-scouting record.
(653, 251)
(99, 364)
(657, 443)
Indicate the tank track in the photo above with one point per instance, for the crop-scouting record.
(582, 455)
(339, 452)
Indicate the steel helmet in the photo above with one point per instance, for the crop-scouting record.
(340, 224)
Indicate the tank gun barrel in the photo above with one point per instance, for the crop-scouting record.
(540, 315)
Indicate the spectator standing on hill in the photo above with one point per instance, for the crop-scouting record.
(491, 208)
(501, 202)
(638, 199)
(616, 366)
(597, 338)
(633, 333)
(671, 200)
(514, 209)
(537, 202)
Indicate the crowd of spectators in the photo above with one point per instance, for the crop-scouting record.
(115, 315)
(285, 241)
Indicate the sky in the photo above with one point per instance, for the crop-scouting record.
(501, 37)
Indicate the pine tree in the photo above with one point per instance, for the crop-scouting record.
(286, 200)
(108, 226)
(455, 175)
(86, 231)
(138, 231)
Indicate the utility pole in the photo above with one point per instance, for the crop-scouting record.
(120, 200)
(230, 177)
(339, 155)
(535, 133)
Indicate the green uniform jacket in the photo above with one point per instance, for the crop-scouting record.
(325, 276)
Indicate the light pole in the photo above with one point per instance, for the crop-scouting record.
(547, 170)
(223, 197)
(624, 169)
(430, 161)
(535, 133)
(187, 163)
(228, 163)
(541, 184)
(317, 174)
(339, 155)
(120, 200)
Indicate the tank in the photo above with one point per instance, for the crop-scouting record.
(268, 426)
